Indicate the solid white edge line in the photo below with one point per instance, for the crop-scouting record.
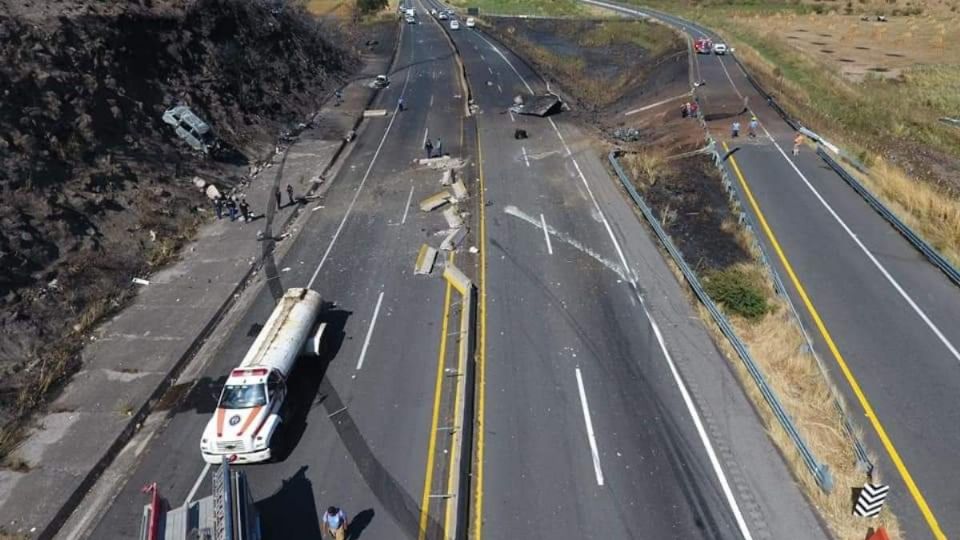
(893, 282)
(426, 131)
(595, 454)
(546, 234)
(698, 423)
(363, 181)
(373, 323)
(406, 209)
(525, 159)
(691, 407)
(196, 485)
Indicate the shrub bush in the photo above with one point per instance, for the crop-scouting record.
(737, 291)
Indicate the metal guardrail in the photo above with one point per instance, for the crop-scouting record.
(926, 249)
(750, 225)
(820, 471)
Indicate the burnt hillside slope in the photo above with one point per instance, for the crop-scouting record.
(94, 187)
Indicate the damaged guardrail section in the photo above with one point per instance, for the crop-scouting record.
(819, 470)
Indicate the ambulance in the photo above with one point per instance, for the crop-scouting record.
(251, 403)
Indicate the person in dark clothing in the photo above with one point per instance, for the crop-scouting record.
(428, 146)
(218, 207)
(290, 194)
(244, 209)
(685, 110)
(276, 195)
(232, 208)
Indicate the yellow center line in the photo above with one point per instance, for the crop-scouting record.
(844, 368)
(432, 444)
(481, 356)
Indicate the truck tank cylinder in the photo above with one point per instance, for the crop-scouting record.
(278, 344)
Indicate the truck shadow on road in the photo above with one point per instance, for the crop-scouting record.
(304, 382)
(291, 512)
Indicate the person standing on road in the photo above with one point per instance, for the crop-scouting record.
(753, 127)
(276, 195)
(232, 208)
(693, 108)
(797, 141)
(244, 209)
(335, 523)
(735, 129)
(684, 110)
(400, 104)
(428, 146)
(439, 147)
(218, 206)
(290, 195)
(339, 96)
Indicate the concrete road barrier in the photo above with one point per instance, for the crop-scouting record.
(454, 221)
(453, 239)
(459, 190)
(371, 113)
(426, 258)
(435, 201)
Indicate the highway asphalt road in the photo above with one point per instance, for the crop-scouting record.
(594, 423)
(362, 441)
(585, 431)
(887, 316)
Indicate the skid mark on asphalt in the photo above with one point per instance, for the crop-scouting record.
(563, 237)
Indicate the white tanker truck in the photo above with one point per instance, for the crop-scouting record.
(249, 411)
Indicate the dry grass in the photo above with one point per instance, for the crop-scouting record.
(777, 345)
(776, 342)
(932, 212)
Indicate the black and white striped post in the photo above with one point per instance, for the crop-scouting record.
(871, 500)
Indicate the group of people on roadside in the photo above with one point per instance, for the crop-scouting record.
(233, 207)
(236, 207)
(430, 146)
(689, 109)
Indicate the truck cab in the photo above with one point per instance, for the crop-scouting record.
(251, 405)
(703, 45)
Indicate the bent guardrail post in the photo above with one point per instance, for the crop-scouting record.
(820, 471)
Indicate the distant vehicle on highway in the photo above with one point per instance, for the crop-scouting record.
(251, 404)
(719, 48)
(703, 46)
(382, 81)
(411, 20)
(471, 22)
(443, 16)
(433, 13)
(454, 25)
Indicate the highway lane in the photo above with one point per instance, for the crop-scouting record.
(585, 432)
(361, 441)
(886, 315)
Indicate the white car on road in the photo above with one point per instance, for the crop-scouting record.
(471, 22)
(719, 48)
(454, 24)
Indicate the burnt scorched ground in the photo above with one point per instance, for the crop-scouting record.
(94, 187)
(607, 67)
(688, 199)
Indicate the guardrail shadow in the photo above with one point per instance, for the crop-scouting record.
(291, 512)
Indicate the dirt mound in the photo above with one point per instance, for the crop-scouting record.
(94, 187)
